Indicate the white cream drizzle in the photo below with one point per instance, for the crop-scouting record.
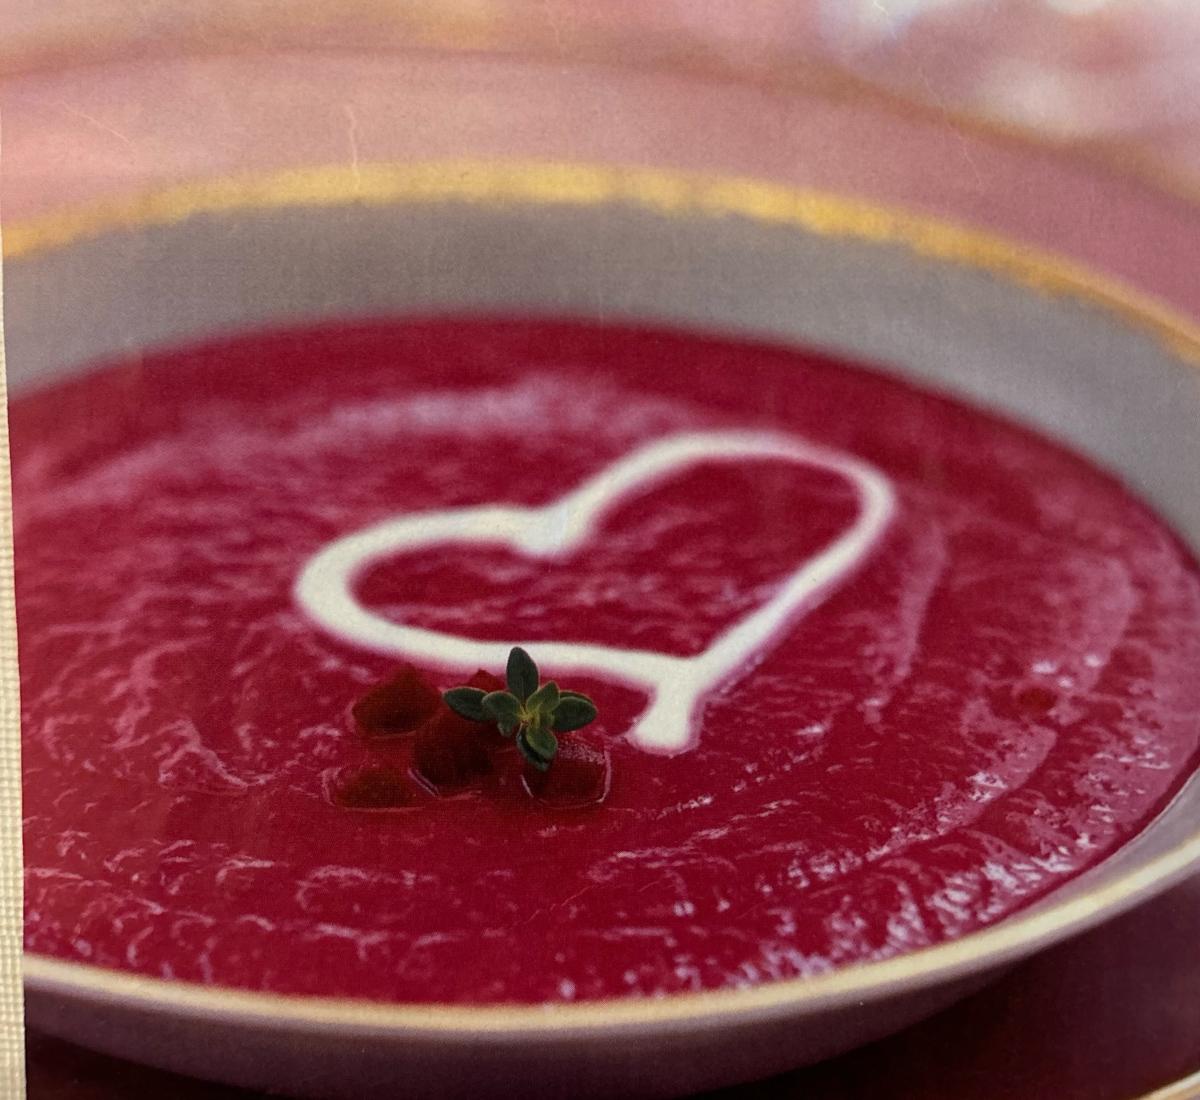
(325, 587)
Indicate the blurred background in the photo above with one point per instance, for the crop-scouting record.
(1119, 76)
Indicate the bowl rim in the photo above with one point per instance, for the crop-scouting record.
(671, 193)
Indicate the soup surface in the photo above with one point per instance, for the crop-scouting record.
(927, 665)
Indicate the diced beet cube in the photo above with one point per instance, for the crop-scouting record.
(398, 706)
(370, 788)
(450, 750)
(579, 775)
(485, 681)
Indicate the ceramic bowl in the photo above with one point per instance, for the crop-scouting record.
(950, 290)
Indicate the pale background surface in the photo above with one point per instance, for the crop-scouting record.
(12, 1030)
(1107, 73)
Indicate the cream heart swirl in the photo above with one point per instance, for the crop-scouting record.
(325, 587)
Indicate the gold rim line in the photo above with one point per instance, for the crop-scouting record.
(660, 191)
(669, 194)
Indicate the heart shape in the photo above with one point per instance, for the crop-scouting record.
(325, 586)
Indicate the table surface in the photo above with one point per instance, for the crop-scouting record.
(1111, 1015)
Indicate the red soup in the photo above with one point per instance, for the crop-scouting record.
(873, 668)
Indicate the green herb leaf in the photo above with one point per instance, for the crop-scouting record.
(542, 741)
(522, 674)
(574, 711)
(544, 700)
(467, 701)
(503, 708)
(534, 714)
(538, 745)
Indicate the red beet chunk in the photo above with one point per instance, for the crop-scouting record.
(370, 788)
(450, 750)
(399, 705)
(578, 777)
(485, 681)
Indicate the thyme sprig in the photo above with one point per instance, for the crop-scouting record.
(533, 712)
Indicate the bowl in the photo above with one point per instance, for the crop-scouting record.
(884, 249)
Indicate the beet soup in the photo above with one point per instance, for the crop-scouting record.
(873, 668)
